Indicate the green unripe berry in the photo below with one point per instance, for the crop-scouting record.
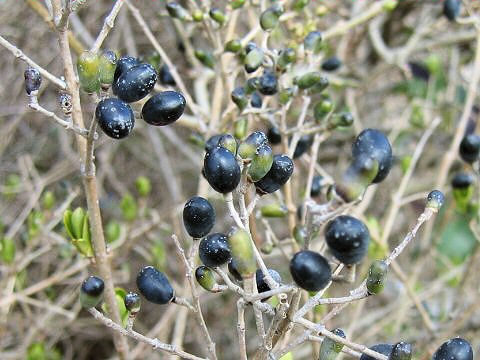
(357, 177)
(249, 146)
(308, 80)
(241, 127)
(217, 15)
(285, 95)
(236, 4)
(48, 200)
(205, 278)
(239, 97)
(344, 119)
(300, 234)
(206, 58)
(107, 66)
(330, 349)
(91, 292)
(241, 249)
(285, 58)
(143, 185)
(233, 46)
(261, 163)
(269, 18)
(253, 60)
(322, 109)
(377, 275)
(228, 142)
(274, 210)
(177, 11)
(321, 85)
(251, 85)
(88, 72)
(197, 15)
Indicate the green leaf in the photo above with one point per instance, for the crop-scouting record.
(159, 255)
(119, 295)
(67, 222)
(129, 207)
(112, 231)
(8, 250)
(457, 241)
(287, 356)
(77, 220)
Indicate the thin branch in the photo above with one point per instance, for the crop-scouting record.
(107, 26)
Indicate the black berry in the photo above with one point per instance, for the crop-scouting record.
(331, 64)
(303, 145)
(198, 217)
(154, 286)
(114, 117)
(375, 144)
(310, 270)
(123, 64)
(401, 351)
(233, 270)
(462, 180)
(213, 142)
(164, 108)
(132, 302)
(214, 250)
(347, 238)
(221, 170)
(135, 83)
(419, 70)
(256, 100)
(317, 184)
(470, 148)
(454, 349)
(277, 176)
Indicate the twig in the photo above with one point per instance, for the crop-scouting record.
(155, 343)
(241, 329)
(19, 54)
(107, 26)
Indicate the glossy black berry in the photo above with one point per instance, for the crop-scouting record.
(419, 70)
(375, 144)
(347, 239)
(213, 142)
(267, 83)
(317, 184)
(256, 100)
(214, 250)
(221, 170)
(91, 291)
(262, 285)
(33, 80)
(435, 199)
(123, 64)
(198, 217)
(274, 136)
(232, 269)
(454, 349)
(164, 108)
(249, 146)
(303, 145)
(154, 286)
(331, 64)
(310, 270)
(384, 349)
(132, 302)
(401, 351)
(165, 76)
(135, 83)
(451, 9)
(115, 118)
(470, 148)
(277, 176)
(462, 180)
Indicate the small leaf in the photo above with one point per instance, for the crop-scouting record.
(77, 220)
(457, 241)
(67, 222)
(8, 250)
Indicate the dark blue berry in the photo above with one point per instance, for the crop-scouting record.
(470, 148)
(419, 70)
(132, 302)
(214, 250)
(91, 292)
(451, 9)
(164, 108)
(454, 349)
(384, 349)
(317, 184)
(331, 64)
(114, 117)
(33, 80)
(310, 270)
(262, 285)
(135, 83)
(256, 100)
(221, 170)
(198, 217)
(213, 142)
(123, 64)
(232, 269)
(277, 176)
(347, 239)
(267, 83)
(303, 145)
(435, 199)
(274, 136)
(462, 180)
(375, 144)
(154, 286)
(165, 76)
